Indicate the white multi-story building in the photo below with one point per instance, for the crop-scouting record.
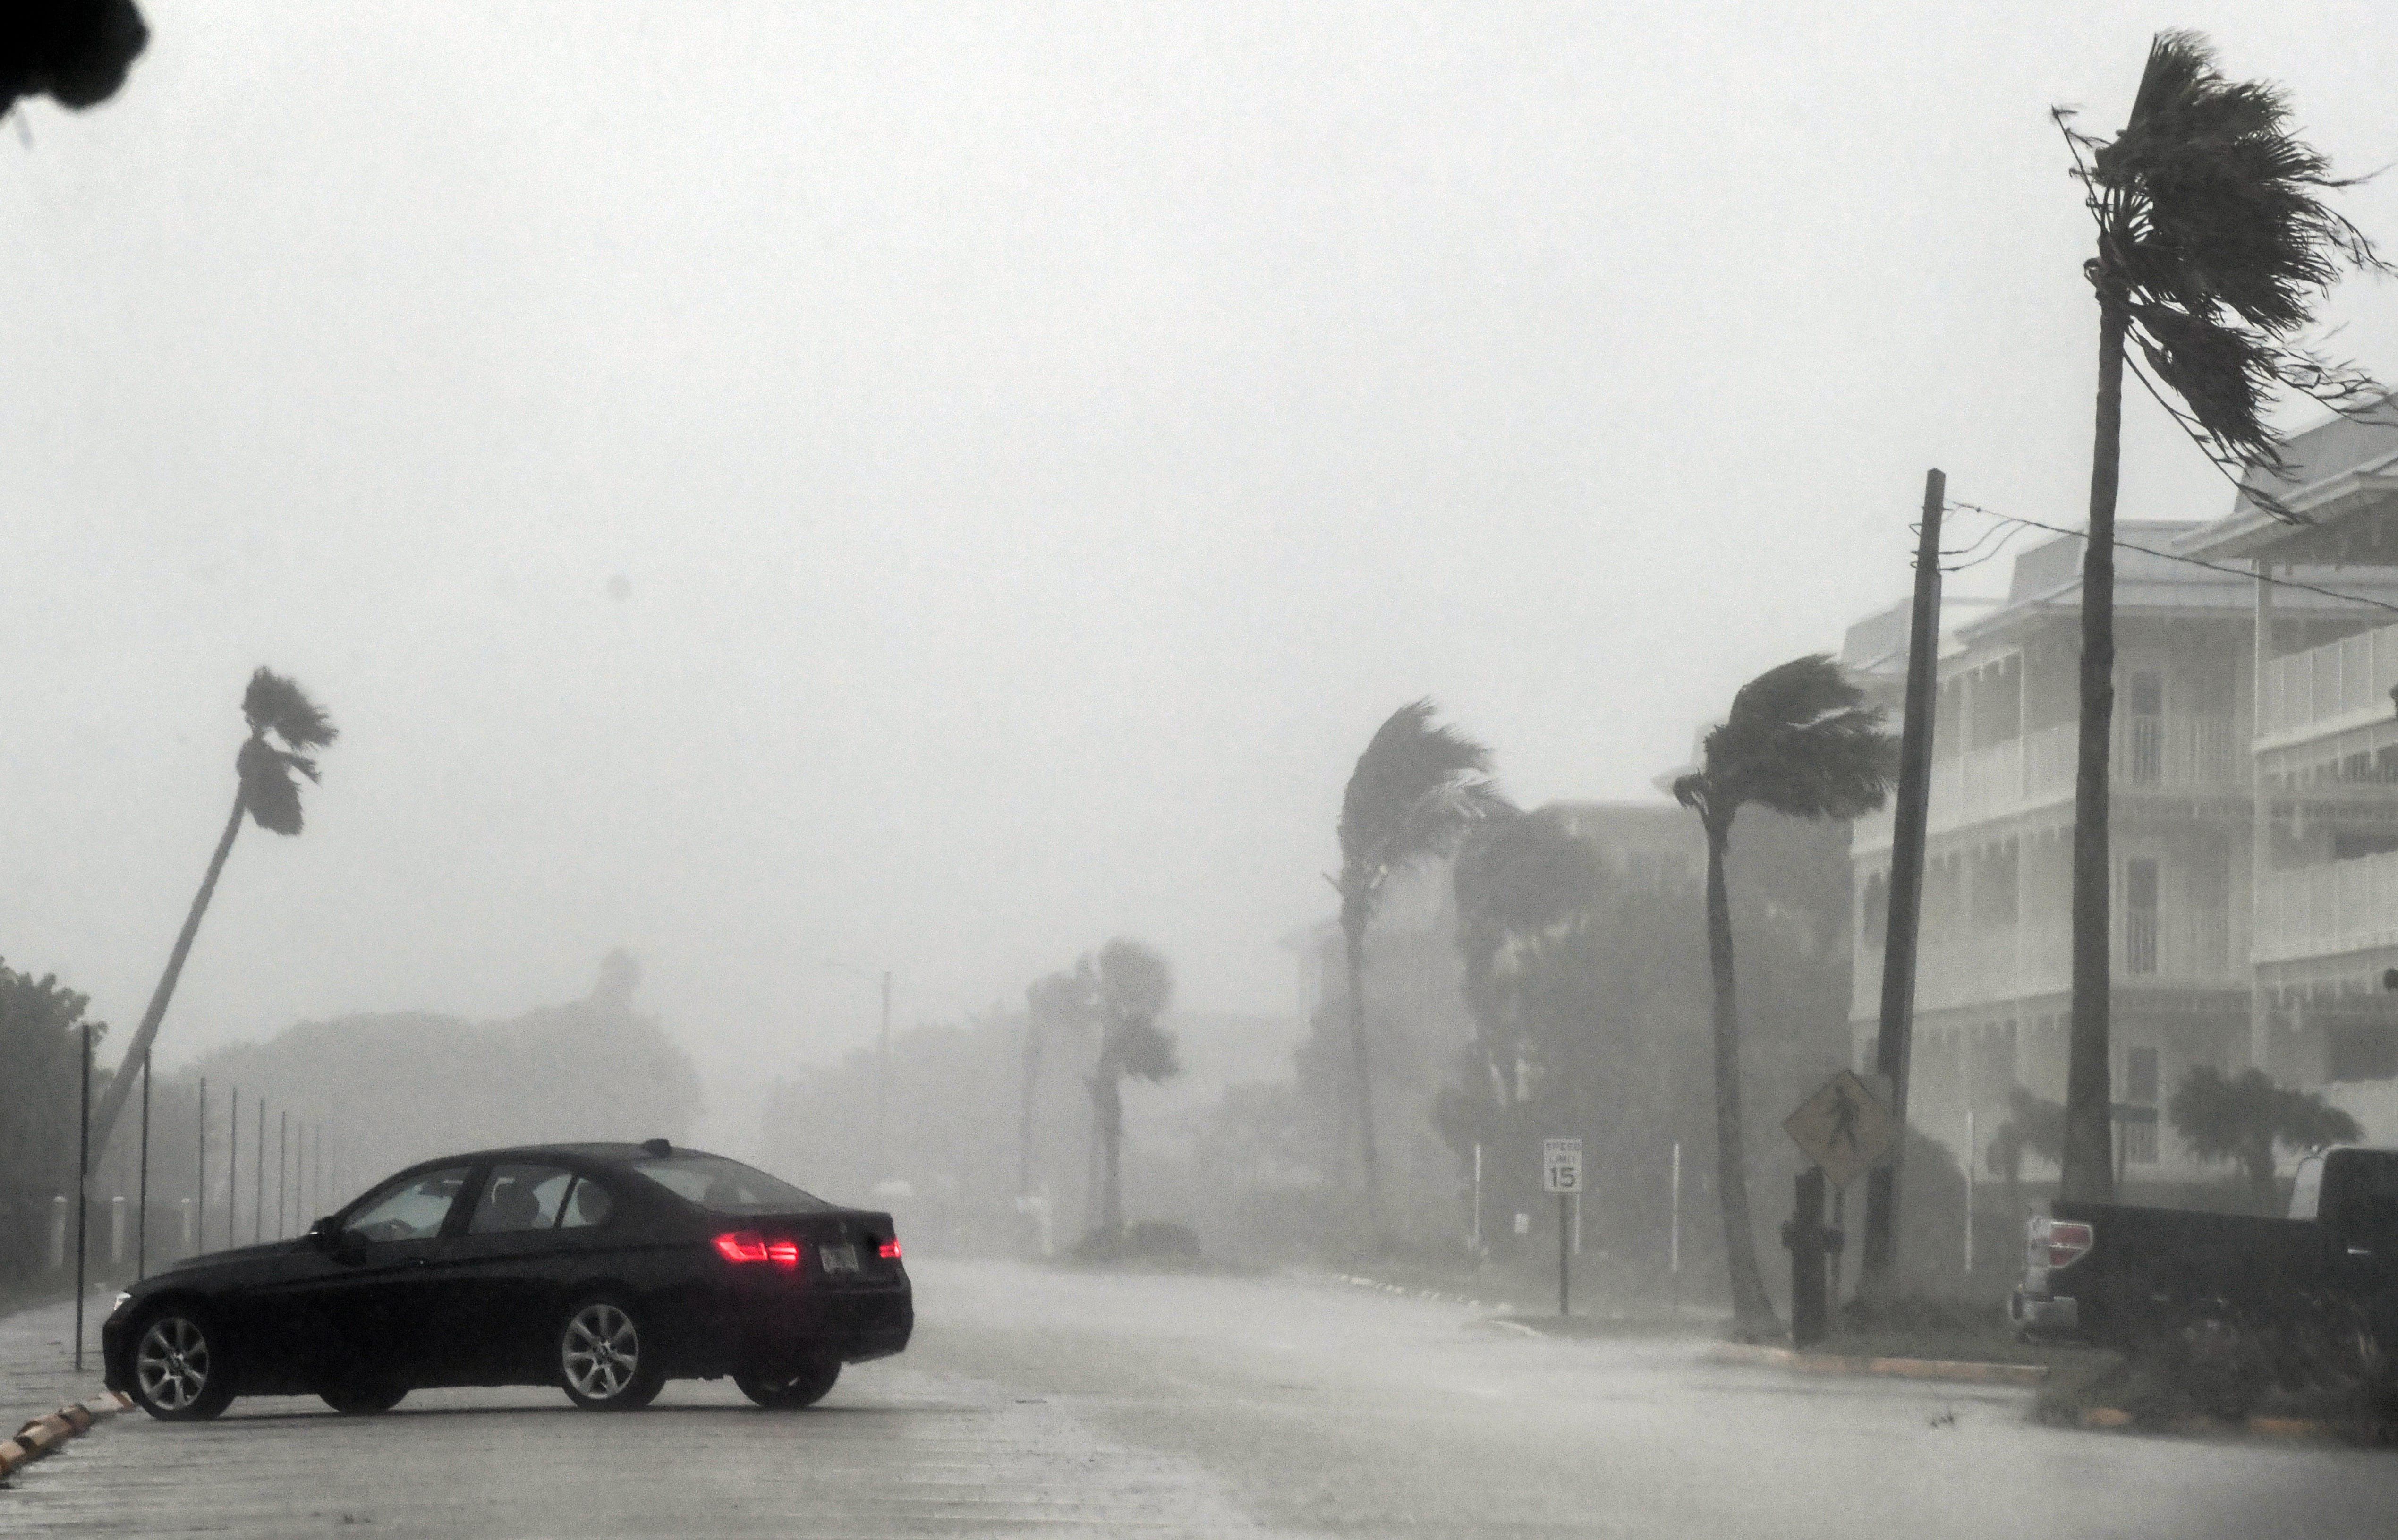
(2191, 984)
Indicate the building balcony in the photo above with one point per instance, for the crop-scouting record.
(2181, 949)
(2320, 911)
(2170, 753)
(2328, 689)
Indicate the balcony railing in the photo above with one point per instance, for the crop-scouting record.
(2176, 947)
(2340, 906)
(2318, 687)
(2167, 754)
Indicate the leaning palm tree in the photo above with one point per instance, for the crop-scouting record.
(2213, 247)
(1801, 740)
(285, 726)
(1135, 986)
(1416, 789)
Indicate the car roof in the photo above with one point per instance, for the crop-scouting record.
(600, 1152)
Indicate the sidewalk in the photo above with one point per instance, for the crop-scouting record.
(37, 1371)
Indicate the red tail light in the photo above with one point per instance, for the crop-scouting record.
(890, 1250)
(783, 1253)
(2066, 1243)
(741, 1246)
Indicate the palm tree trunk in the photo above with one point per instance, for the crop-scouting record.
(2261, 1185)
(1024, 1113)
(1354, 934)
(120, 1087)
(2089, 1174)
(1108, 1094)
(1751, 1310)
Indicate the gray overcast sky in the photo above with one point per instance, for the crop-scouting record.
(1039, 442)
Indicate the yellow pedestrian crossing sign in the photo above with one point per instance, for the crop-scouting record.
(1843, 1127)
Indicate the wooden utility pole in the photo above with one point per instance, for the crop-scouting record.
(1894, 1045)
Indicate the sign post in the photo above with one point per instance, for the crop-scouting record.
(1845, 1129)
(1562, 1174)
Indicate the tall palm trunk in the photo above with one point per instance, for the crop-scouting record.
(2089, 1174)
(1354, 933)
(120, 1087)
(1024, 1112)
(1751, 1309)
(1107, 1105)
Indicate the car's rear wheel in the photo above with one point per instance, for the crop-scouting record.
(181, 1373)
(788, 1391)
(606, 1361)
(363, 1398)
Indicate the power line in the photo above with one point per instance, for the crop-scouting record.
(2120, 544)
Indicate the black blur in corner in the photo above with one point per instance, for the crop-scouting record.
(74, 52)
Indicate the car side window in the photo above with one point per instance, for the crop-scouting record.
(588, 1205)
(520, 1197)
(411, 1209)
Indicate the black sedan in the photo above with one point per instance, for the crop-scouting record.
(605, 1269)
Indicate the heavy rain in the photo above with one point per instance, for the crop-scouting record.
(1198, 769)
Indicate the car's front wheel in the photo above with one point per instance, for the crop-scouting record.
(783, 1392)
(607, 1362)
(180, 1370)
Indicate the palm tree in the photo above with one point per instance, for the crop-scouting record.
(1801, 740)
(2242, 1117)
(2213, 249)
(1062, 1001)
(1135, 986)
(284, 725)
(1416, 789)
(2034, 1126)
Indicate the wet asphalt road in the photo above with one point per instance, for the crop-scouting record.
(1041, 1402)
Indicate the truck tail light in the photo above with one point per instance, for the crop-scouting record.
(889, 1251)
(2066, 1243)
(741, 1246)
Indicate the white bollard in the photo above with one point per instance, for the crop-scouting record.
(58, 1232)
(117, 1229)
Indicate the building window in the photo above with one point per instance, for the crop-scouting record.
(2140, 916)
(1994, 879)
(2139, 1128)
(2362, 1050)
(2145, 727)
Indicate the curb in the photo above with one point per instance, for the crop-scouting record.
(2114, 1418)
(50, 1432)
(1956, 1371)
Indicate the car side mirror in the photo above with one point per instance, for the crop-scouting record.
(327, 1236)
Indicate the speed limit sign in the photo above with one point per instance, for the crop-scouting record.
(1561, 1165)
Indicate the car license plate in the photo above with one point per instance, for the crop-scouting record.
(839, 1259)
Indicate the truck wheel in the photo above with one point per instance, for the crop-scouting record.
(2216, 1362)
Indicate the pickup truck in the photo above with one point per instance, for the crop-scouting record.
(2231, 1304)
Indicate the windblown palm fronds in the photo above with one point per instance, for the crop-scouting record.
(1416, 789)
(2216, 240)
(1802, 740)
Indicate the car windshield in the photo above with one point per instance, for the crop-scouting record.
(726, 1187)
